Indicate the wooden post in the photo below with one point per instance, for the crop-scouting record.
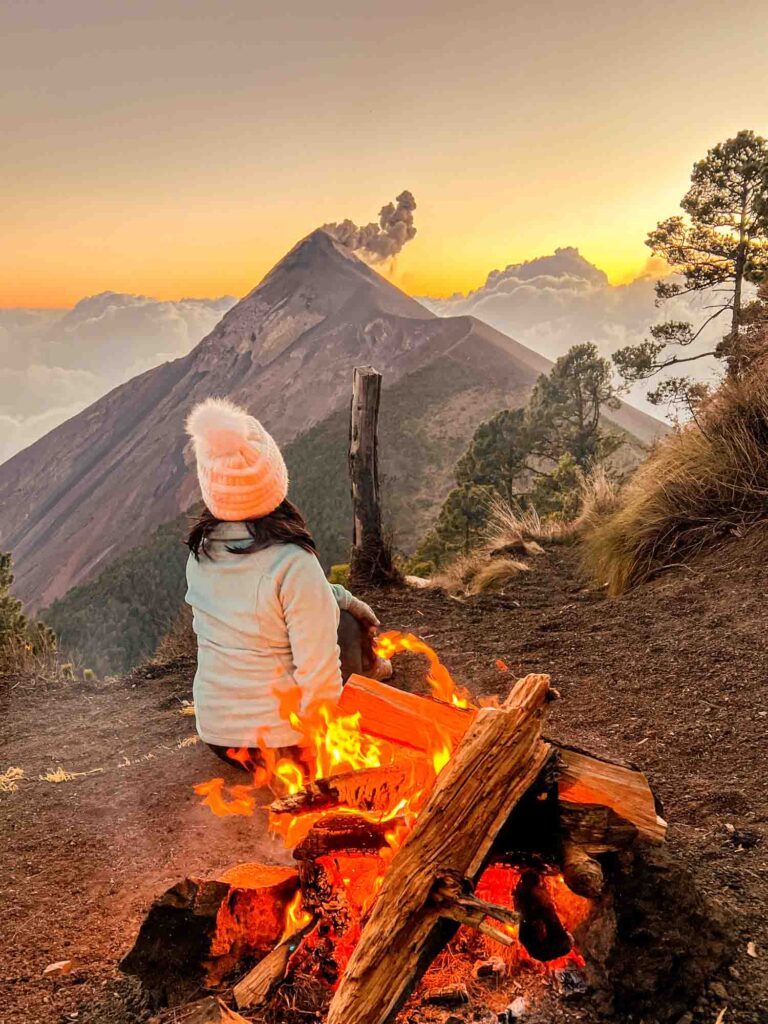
(371, 560)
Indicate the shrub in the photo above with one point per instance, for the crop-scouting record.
(339, 574)
(704, 481)
(26, 647)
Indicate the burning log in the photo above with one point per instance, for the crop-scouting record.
(198, 931)
(404, 719)
(541, 931)
(342, 833)
(497, 760)
(378, 790)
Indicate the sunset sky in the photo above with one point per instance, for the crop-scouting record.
(179, 148)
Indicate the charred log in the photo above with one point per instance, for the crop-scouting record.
(199, 931)
(582, 873)
(341, 833)
(541, 930)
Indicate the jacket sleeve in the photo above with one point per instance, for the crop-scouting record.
(349, 603)
(312, 618)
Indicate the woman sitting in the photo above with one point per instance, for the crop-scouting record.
(267, 621)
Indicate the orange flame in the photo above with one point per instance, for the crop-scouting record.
(296, 917)
(242, 800)
(331, 743)
(438, 677)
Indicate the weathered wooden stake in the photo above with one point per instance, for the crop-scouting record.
(371, 560)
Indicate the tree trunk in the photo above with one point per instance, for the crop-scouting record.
(498, 759)
(371, 560)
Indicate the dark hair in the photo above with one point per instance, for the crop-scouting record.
(285, 525)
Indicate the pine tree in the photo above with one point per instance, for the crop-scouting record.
(13, 622)
(536, 455)
(460, 524)
(497, 454)
(720, 243)
(564, 414)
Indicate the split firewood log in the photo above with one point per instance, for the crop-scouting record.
(494, 764)
(604, 806)
(405, 719)
(198, 931)
(260, 982)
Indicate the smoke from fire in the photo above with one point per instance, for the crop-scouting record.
(383, 240)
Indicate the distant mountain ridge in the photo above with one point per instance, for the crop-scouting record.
(97, 485)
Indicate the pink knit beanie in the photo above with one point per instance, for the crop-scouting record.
(241, 471)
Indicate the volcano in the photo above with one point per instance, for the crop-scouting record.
(97, 485)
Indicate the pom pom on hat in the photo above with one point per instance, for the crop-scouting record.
(241, 472)
(219, 427)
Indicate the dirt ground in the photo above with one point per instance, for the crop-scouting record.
(672, 677)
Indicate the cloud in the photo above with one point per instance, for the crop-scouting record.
(57, 362)
(557, 301)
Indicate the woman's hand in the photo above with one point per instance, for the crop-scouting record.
(364, 614)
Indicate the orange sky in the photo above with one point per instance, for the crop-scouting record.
(180, 147)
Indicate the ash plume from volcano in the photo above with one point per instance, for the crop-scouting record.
(380, 241)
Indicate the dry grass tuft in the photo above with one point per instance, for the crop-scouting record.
(702, 483)
(599, 500)
(179, 645)
(512, 529)
(496, 574)
(10, 778)
(62, 775)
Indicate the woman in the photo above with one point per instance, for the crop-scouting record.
(267, 620)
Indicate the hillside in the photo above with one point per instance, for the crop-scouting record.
(426, 421)
(100, 483)
(670, 677)
(427, 417)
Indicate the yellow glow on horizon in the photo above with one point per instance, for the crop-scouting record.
(519, 129)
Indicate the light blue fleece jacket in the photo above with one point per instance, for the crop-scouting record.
(265, 622)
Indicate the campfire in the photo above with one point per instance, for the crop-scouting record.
(445, 852)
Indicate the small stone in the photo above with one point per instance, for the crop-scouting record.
(734, 972)
(515, 1011)
(59, 968)
(493, 967)
(570, 982)
(718, 990)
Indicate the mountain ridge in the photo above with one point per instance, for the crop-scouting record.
(98, 483)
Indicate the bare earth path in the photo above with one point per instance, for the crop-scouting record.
(673, 677)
